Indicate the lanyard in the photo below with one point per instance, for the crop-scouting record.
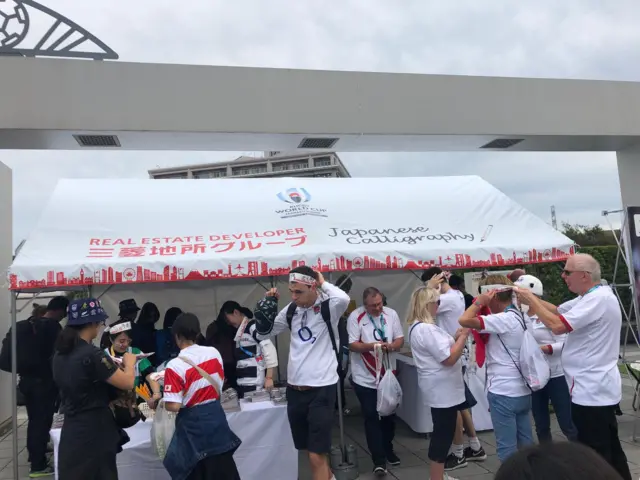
(380, 329)
(595, 287)
(245, 351)
(114, 354)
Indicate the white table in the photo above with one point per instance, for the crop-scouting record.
(417, 414)
(267, 450)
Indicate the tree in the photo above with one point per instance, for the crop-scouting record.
(589, 236)
(74, 294)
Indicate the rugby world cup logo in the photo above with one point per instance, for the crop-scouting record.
(295, 196)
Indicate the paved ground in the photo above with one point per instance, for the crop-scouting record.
(410, 447)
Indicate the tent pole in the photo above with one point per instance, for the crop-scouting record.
(14, 383)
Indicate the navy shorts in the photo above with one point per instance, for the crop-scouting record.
(310, 415)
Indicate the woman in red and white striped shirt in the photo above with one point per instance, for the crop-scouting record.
(193, 382)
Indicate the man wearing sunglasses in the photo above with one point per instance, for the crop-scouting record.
(312, 372)
(593, 321)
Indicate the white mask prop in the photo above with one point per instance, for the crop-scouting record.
(531, 283)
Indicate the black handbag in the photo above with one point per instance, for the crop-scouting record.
(125, 410)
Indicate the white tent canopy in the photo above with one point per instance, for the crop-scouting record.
(164, 241)
(108, 232)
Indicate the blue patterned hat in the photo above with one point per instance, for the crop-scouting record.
(86, 310)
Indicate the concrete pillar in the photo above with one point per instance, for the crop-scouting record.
(6, 257)
(629, 173)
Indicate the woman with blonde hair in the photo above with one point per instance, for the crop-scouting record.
(437, 358)
(508, 394)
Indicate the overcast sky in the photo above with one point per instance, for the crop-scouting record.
(535, 38)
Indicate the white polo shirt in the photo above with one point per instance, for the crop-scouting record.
(366, 329)
(312, 360)
(503, 374)
(442, 386)
(591, 350)
(450, 310)
(544, 336)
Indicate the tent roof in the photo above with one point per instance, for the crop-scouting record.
(132, 231)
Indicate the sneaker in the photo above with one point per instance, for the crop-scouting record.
(475, 455)
(392, 459)
(47, 472)
(379, 471)
(448, 477)
(453, 463)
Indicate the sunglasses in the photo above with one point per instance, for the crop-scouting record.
(569, 272)
(437, 303)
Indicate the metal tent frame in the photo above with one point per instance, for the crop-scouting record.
(631, 311)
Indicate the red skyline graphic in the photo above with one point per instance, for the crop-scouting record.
(254, 268)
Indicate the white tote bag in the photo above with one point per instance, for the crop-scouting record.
(534, 366)
(164, 424)
(389, 390)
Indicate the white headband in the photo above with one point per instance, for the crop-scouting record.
(497, 288)
(501, 288)
(121, 327)
(302, 278)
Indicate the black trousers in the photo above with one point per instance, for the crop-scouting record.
(378, 430)
(40, 400)
(216, 467)
(598, 428)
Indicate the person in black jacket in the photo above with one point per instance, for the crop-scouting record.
(143, 331)
(345, 284)
(36, 338)
(457, 283)
(220, 335)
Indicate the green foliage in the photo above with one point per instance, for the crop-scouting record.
(589, 236)
(556, 290)
(84, 293)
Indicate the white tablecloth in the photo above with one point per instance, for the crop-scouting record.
(416, 413)
(267, 450)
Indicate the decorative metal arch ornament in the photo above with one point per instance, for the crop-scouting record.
(63, 38)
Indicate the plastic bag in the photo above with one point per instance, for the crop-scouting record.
(533, 365)
(389, 390)
(162, 430)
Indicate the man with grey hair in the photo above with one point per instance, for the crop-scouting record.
(590, 355)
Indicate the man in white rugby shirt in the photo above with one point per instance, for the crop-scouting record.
(370, 325)
(450, 309)
(312, 372)
(590, 355)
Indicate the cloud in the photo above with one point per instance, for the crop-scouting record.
(545, 38)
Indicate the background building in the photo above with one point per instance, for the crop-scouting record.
(273, 164)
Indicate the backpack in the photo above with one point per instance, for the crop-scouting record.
(29, 362)
(326, 316)
(534, 368)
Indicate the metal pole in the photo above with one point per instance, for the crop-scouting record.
(14, 383)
